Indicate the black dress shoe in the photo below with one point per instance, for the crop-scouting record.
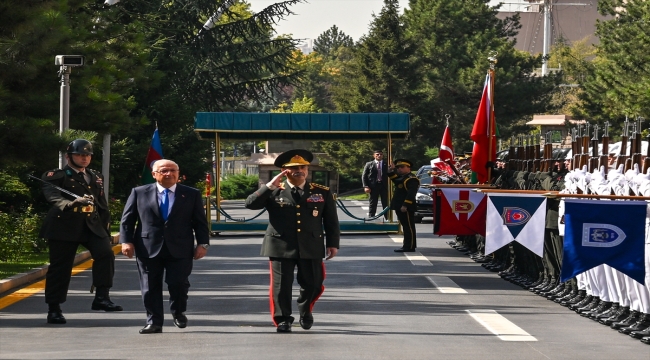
(55, 317)
(306, 322)
(180, 320)
(400, 250)
(646, 340)
(104, 303)
(151, 329)
(284, 327)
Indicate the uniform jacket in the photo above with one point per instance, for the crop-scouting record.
(67, 223)
(143, 225)
(296, 229)
(369, 175)
(406, 187)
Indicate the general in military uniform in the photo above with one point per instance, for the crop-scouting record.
(403, 201)
(300, 214)
(73, 221)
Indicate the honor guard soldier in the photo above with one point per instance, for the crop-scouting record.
(73, 221)
(300, 214)
(403, 201)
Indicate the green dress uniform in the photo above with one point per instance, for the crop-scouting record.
(406, 187)
(294, 237)
(68, 225)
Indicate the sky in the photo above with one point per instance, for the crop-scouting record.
(315, 17)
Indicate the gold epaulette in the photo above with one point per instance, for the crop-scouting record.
(314, 185)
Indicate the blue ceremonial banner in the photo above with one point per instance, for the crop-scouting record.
(604, 232)
(515, 217)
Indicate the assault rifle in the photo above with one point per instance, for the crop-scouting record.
(622, 154)
(593, 159)
(604, 157)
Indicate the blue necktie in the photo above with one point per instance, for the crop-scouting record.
(164, 204)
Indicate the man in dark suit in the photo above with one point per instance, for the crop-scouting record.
(73, 221)
(159, 224)
(403, 201)
(375, 182)
(298, 214)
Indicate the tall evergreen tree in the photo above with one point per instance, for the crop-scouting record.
(621, 78)
(380, 77)
(455, 39)
(329, 41)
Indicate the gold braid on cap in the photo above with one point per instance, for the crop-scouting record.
(296, 160)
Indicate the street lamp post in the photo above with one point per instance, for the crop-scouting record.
(66, 62)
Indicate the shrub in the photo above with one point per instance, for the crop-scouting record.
(116, 207)
(19, 233)
(238, 186)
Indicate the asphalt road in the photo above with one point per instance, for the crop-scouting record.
(435, 303)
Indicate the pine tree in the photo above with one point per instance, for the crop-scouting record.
(329, 41)
(621, 78)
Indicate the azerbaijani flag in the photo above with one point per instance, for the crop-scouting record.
(155, 153)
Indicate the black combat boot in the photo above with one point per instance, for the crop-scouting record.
(103, 301)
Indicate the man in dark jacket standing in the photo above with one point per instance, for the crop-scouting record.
(159, 224)
(298, 214)
(403, 202)
(73, 221)
(375, 182)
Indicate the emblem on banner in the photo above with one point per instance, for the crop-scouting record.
(462, 206)
(602, 235)
(514, 216)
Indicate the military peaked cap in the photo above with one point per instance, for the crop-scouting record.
(294, 157)
(399, 162)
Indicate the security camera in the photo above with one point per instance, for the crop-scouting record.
(69, 60)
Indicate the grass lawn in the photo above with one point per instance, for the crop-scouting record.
(26, 262)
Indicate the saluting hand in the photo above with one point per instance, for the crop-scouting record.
(277, 180)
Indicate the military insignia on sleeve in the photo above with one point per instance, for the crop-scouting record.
(316, 198)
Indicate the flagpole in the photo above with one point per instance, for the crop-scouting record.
(492, 58)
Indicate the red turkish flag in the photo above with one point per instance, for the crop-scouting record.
(483, 131)
(447, 148)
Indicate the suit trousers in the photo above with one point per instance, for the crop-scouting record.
(62, 254)
(407, 220)
(311, 274)
(378, 191)
(176, 272)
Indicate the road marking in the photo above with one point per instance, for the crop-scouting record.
(359, 203)
(397, 239)
(503, 328)
(418, 259)
(446, 285)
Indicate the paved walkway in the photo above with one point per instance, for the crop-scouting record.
(377, 304)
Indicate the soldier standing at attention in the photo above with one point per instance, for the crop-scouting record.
(77, 221)
(403, 202)
(298, 214)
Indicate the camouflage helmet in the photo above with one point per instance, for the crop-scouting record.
(80, 146)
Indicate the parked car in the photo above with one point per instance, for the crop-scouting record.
(423, 199)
